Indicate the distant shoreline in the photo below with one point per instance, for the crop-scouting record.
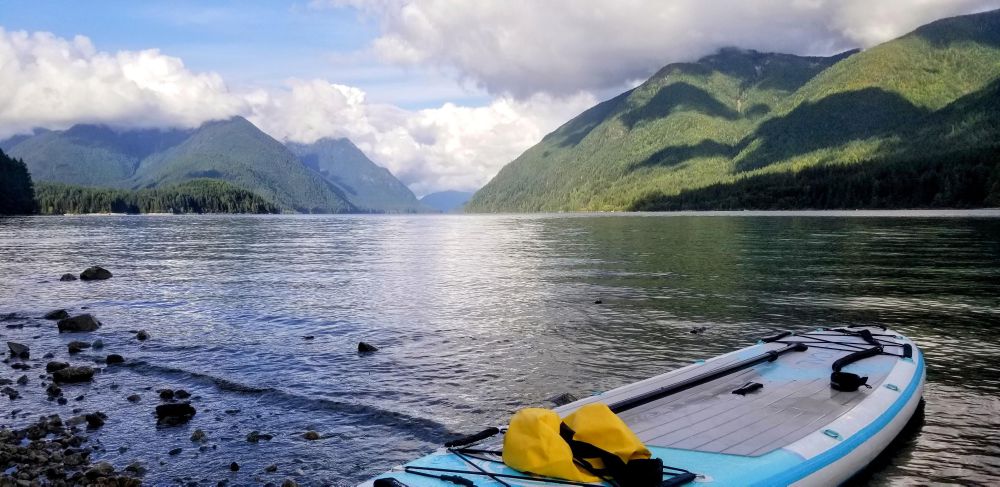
(856, 213)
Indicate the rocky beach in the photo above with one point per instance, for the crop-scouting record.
(50, 437)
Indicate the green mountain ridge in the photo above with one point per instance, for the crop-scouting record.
(366, 185)
(332, 176)
(695, 131)
(236, 151)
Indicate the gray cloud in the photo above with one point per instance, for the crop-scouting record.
(522, 47)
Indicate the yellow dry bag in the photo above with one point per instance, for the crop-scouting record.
(589, 445)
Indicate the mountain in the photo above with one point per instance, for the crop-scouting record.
(236, 151)
(89, 155)
(232, 150)
(366, 185)
(447, 201)
(17, 195)
(911, 122)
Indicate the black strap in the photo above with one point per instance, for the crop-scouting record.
(854, 357)
(617, 472)
(466, 440)
(777, 337)
(614, 466)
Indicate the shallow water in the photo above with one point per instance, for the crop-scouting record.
(477, 316)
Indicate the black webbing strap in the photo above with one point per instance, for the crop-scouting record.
(854, 357)
(635, 473)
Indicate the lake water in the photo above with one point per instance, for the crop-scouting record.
(477, 316)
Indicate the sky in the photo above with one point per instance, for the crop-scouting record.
(441, 92)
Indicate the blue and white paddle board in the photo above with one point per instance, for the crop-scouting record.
(794, 430)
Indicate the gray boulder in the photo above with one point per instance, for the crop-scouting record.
(79, 323)
(18, 350)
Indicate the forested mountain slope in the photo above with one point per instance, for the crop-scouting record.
(238, 152)
(743, 129)
(366, 185)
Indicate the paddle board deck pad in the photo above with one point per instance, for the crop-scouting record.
(763, 415)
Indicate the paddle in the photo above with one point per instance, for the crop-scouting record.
(698, 380)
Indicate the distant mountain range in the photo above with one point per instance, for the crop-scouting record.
(447, 201)
(914, 122)
(328, 176)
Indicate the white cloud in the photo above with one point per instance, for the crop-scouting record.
(48, 81)
(450, 147)
(523, 47)
(51, 82)
(540, 59)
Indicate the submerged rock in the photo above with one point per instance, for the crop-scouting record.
(95, 273)
(175, 413)
(198, 435)
(235, 467)
(175, 451)
(77, 346)
(79, 323)
(166, 394)
(95, 420)
(98, 344)
(271, 468)
(700, 329)
(366, 347)
(18, 350)
(311, 435)
(182, 394)
(289, 483)
(134, 398)
(67, 277)
(58, 314)
(23, 380)
(142, 335)
(71, 375)
(54, 366)
(114, 359)
(257, 436)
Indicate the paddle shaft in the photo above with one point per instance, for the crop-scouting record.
(698, 380)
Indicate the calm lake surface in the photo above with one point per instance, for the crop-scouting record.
(477, 316)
